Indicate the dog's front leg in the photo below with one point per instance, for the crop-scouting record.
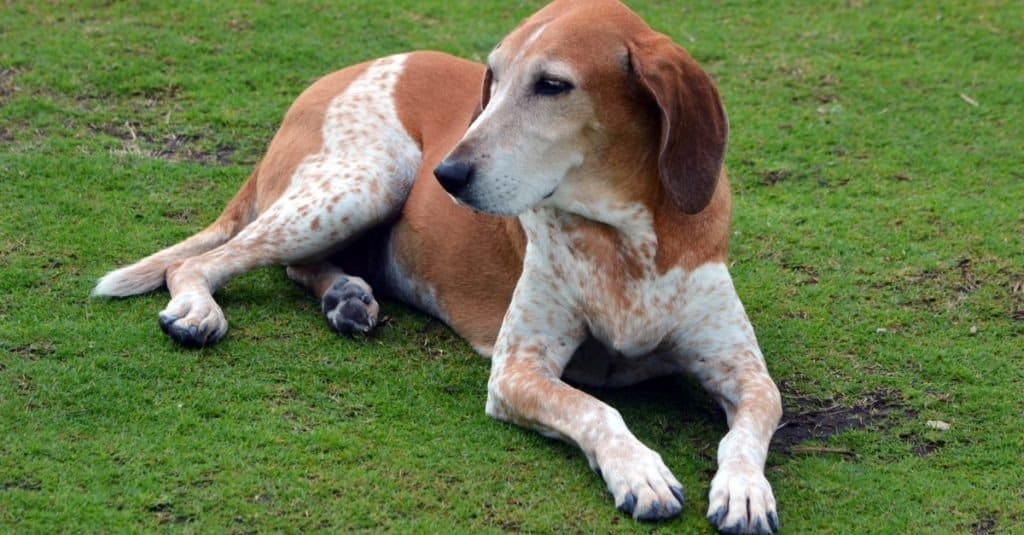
(724, 355)
(741, 499)
(536, 341)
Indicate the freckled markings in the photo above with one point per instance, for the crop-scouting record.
(362, 174)
(697, 312)
(634, 326)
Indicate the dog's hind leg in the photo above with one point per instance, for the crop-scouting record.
(359, 179)
(346, 301)
(149, 273)
(306, 224)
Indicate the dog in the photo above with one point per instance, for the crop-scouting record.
(575, 232)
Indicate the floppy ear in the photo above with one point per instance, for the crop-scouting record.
(693, 124)
(485, 91)
(485, 95)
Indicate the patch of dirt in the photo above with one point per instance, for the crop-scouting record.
(773, 176)
(239, 25)
(180, 216)
(35, 350)
(157, 94)
(1017, 293)
(810, 273)
(985, 525)
(25, 385)
(924, 448)
(165, 514)
(7, 87)
(494, 518)
(176, 147)
(939, 288)
(925, 276)
(968, 281)
(21, 484)
(817, 419)
(172, 147)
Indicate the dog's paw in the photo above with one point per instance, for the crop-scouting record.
(349, 306)
(741, 501)
(193, 321)
(643, 487)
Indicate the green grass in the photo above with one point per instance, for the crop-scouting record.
(878, 246)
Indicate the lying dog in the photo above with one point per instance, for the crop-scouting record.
(578, 230)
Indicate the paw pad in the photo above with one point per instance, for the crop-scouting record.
(349, 308)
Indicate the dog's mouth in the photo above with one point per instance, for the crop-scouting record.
(485, 209)
(459, 201)
(489, 207)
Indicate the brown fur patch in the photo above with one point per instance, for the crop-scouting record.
(474, 264)
(299, 136)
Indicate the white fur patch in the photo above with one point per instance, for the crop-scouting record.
(529, 41)
(362, 174)
(655, 299)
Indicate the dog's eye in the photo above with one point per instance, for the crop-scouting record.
(551, 87)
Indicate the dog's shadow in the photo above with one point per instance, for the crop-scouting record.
(671, 414)
(665, 405)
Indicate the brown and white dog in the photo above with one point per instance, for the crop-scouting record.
(576, 231)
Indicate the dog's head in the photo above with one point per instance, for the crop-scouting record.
(584, 101)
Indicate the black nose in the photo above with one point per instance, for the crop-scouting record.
(454, 176)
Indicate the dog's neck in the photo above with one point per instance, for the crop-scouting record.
(603, 199)
(630, 220)
(615, 233)
(648, 231)
(606, 267)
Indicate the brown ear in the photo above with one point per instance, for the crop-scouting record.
(485, 94)
(485, 91)
(693, 124)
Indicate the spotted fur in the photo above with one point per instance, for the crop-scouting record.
(576, 231)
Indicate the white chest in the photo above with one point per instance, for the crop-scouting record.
(610, 280)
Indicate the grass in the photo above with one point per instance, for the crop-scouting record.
(879, 248)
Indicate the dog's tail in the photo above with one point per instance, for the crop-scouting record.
(148, 274)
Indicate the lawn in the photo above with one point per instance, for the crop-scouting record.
(875, 154)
